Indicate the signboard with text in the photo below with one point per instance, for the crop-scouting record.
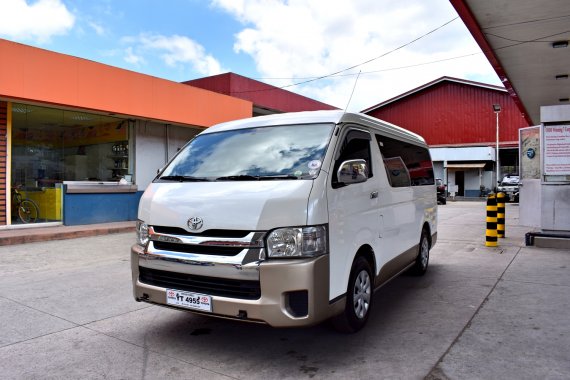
(556, 150)
(529, 148)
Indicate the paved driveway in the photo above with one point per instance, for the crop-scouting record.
(66, 312)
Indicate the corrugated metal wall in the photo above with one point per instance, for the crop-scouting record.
(451, 113)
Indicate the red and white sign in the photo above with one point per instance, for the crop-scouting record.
(557, 149)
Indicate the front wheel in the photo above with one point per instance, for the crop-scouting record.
(28, 211)
(358, 298)
(422, 260)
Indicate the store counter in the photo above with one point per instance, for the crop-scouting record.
(88, 202)
(92, 187)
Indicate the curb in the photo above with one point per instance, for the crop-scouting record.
(35, 235)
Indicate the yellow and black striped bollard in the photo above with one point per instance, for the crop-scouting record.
(501, 215)
(491, 232)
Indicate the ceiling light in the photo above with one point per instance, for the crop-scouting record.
(563, 100)
(20, 109)
(560, 44)
(561, 76)
(80, 117)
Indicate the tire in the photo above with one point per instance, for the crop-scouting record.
(358, 298)
(28, 211)
(422, 260)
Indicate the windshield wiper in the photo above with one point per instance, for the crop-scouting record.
(246, 177)
(184, 178)
(242, 177)
(283, 176)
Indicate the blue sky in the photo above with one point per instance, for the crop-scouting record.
(282, 42)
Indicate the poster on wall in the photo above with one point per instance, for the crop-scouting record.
(530, 153)
(556, 150)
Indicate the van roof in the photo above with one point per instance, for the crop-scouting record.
(314, 117)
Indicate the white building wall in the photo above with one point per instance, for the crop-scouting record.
(155, 145)
(150, 151)
(178, 137)
(472, 179)
(475, 153)
(472, 183)
(438, 170)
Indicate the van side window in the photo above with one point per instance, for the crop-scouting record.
(356, 145)
(406, 164)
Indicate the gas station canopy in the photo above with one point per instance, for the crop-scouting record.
(526, 41)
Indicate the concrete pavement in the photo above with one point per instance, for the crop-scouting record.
(66, 311)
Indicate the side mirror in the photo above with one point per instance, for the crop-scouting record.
(352, 171)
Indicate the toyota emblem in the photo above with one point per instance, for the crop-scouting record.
(195, 223)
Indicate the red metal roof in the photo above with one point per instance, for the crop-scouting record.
(429, 84)
(454, 112)
(261, 94)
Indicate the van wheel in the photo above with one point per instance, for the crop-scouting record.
(358, 298)
(422, 260)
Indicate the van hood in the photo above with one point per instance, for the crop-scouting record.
(251, 205)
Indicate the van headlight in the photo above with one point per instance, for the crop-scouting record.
(297, 242)
(142, 233)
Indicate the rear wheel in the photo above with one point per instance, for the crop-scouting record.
(358, 298)
(422, 260)
(28, 211)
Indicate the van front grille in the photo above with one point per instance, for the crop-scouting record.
(212, 286)
(198, 249)
(207, 233)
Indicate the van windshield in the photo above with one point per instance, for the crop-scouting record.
(266, 153)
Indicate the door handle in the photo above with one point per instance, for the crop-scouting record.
(373, 195)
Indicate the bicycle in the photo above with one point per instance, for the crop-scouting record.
(26, 209)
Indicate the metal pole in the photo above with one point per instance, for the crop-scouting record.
(497, 153)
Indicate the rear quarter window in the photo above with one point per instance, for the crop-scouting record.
(406, 164)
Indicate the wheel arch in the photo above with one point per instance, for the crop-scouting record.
(427, 228)
(367, 252)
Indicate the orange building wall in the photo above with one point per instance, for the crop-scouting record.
(36, 75)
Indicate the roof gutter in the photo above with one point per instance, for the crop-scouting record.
(473, 26)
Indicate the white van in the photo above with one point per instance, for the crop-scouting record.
(287, 219)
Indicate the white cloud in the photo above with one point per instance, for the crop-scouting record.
(177, 50)
(38, 21)
(133, 58)
(97, 28)
(296, 39)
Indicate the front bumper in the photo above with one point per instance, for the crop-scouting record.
(280, 281)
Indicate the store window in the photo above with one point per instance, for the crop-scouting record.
(50, 146)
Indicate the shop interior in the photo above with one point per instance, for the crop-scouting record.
(50, 146)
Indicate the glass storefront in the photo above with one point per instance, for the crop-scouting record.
(50, 146)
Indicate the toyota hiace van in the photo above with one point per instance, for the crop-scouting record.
(288, 219)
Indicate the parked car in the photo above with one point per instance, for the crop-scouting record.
(441, 191)
(510, 187)
(287, 219)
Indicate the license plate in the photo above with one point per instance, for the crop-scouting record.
(189, 300)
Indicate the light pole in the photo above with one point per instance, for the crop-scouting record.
(497, 109)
